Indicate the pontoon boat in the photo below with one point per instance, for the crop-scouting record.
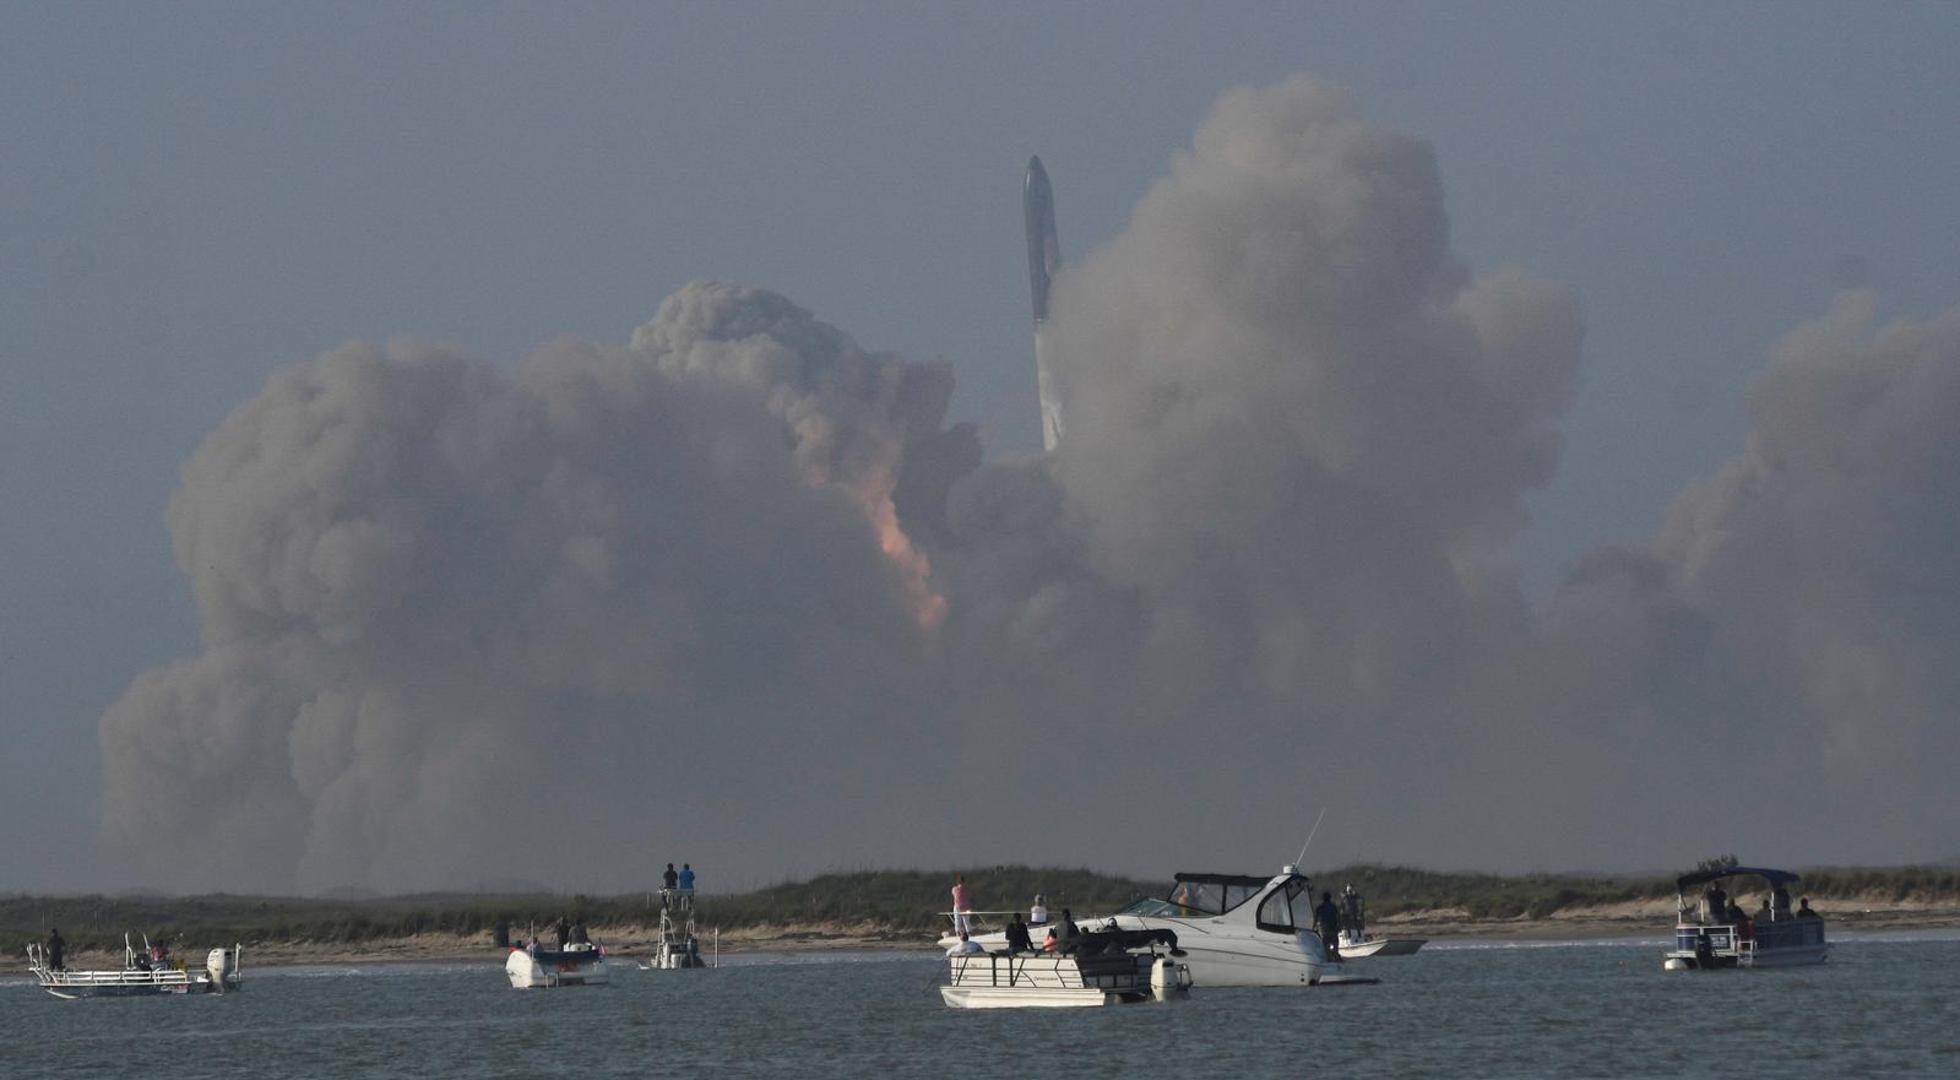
(1113, 967)
(1713, 931)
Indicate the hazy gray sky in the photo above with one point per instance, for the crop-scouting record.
(195, 196)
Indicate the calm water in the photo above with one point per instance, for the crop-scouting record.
(1882, 1006)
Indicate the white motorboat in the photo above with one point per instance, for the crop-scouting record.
(1356, 943)
(1114, 967)
(142, 975)
(1234, 930)
(573, 964)
(1712, 931)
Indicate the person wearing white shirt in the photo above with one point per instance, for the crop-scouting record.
(966, 945)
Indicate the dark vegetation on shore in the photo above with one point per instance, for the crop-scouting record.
(903, 905)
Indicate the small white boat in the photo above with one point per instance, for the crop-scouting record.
(1114, 967)
(140, 976)
(1712, 932)
(1362, 946)
(1356, 943)
(574, 964)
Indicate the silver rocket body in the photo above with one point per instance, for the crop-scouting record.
(1044, 262)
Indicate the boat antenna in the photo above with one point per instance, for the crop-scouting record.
(1316, 828)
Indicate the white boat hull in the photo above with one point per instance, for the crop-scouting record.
(988, 997)
(527, 972)
(1790, 956)
(1381, 947)
(1222, 955)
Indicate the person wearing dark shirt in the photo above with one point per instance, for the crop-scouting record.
(56, 947)
(564, 933)
(1718, 903)
(1017, 936)
(578, 933)
(1806, 912)
(1327, 919)
(1066, 932)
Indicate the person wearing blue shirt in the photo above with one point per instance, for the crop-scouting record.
(687, 884)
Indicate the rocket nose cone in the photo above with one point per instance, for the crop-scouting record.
(1036, 171)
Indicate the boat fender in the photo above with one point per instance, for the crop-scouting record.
(1675, 963)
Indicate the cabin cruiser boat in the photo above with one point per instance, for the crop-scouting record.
(1108, 967)
(1712, 931)
(572, 964)
(143, 974)
(1234, 930)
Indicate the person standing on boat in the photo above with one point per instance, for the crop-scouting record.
(564, 929)
(56, 947)
(669, 885)
(686, 882)
(1717, 901)
(1067, 932)
(1779, 901)
(1327, 919)
(1038, 914)
(962, 906)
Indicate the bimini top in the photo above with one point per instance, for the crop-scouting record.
(1774, 877)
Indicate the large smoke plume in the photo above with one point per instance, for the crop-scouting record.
(736, 589)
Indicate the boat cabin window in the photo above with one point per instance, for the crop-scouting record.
(1198, 898)
(1206, 895)
(1239, 894)
(1288, 909)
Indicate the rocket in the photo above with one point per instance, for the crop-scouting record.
(1044, 262)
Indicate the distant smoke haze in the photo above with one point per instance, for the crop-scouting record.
(735, 593)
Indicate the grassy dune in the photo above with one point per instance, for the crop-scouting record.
(898, 903)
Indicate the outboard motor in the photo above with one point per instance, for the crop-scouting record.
(218, 964)
(1167, 979)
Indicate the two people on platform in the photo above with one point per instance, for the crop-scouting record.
(677, 887)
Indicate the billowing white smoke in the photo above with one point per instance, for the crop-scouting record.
(464, 627)
(1297, 430)
(735, 590)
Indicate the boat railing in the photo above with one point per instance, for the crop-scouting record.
(973, 926)
(1047, 970)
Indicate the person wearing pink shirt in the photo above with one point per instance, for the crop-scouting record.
(962, 906)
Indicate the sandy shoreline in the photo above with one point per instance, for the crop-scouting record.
(1646, 919)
